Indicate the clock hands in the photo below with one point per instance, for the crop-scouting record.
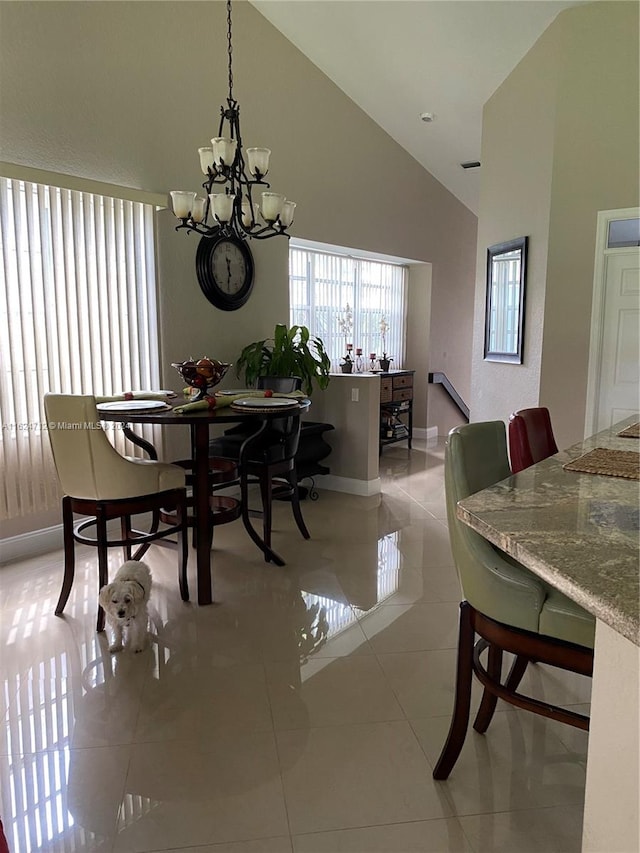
(228, 274)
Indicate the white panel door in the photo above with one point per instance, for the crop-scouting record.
(619, 380)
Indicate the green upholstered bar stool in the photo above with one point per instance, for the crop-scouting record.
(506, 607)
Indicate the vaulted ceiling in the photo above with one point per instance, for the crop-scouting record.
(398, 59)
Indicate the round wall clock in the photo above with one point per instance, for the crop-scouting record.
(224, 266)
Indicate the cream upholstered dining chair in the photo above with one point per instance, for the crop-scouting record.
(505, 605)
(100, 483)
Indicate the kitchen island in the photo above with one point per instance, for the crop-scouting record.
(580, 532)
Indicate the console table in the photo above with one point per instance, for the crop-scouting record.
(396, 407)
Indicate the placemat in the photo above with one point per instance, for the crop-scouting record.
(613, 463)
(632, 431)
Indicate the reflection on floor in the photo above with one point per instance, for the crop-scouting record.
(303, 712)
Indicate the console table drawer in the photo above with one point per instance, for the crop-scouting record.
(400, 394)
(386, 390)
(405, 381)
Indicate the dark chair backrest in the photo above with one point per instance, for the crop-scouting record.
(530, 438)
(283, 434)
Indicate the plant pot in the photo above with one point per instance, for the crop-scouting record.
(385, 364)
(347, 367)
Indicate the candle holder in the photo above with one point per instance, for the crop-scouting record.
(372, 359)
(359, 362)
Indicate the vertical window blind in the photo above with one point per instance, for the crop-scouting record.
(78, 315)
(324, 288)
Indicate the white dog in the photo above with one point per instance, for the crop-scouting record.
(125, 605)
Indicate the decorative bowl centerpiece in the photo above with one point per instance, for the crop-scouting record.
(202, 374)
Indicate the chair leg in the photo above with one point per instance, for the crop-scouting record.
(139, 553)
(266, 492)
(125, 529)
(183, 548)
(69, 555)
(489, 699)
(518, 669)
(462, 704)
(292, 479)
(103, 562)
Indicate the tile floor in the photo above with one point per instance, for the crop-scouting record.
(302, 713)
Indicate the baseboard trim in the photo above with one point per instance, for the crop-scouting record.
(31, 544)
(365, 488)
(429, 434)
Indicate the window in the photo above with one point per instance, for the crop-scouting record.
(623, 233)
(77, 315)
(324, 288)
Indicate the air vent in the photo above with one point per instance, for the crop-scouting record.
(471, 164)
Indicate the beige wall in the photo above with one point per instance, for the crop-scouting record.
(355, 440)
(418, 318)
(596, 167)
(560, 142)
(126, 92)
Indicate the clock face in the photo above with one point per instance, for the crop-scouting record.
(224, 266)
(229, 267)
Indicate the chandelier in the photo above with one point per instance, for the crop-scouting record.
(233, 212)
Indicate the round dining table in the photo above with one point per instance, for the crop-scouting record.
(199, 422)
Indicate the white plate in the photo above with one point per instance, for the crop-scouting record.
(164, 392)
(132, 406)
(265, 403)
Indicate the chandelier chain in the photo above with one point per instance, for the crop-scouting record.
(229, 49)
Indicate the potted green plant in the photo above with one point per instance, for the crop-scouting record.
(291, 352)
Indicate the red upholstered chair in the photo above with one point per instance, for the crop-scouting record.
(530, 438)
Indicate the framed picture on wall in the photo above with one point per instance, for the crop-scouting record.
(504, 313)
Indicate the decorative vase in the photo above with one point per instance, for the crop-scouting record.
(347, 367)
(385, 363)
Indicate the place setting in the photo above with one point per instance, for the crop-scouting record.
(136, 401)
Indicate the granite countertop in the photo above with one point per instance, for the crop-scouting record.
(579, 532)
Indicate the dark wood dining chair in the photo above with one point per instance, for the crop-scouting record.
(530, 438)
(506, 608)
(229, 443)
(269, 459)
(100, 483)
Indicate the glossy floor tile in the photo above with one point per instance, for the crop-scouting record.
(301, 713)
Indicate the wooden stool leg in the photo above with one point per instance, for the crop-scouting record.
(183, 548)
(462, 704)
(125, 529)
(295, 505)
(69, 555)
(518, 669)
(266, 491)
(489, 699)
(103, 562)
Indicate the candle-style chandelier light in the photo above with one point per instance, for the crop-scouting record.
(233, 212)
